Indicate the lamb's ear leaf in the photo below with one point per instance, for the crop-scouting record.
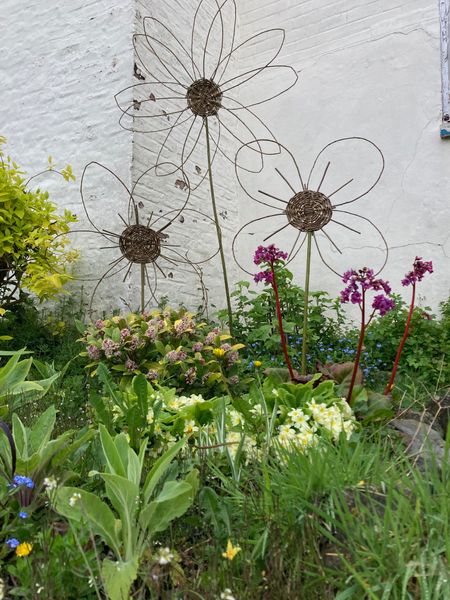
(77, 504)
(7, 431)
(118, 577)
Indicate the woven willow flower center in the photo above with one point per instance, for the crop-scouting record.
(140, 244)
(204, 98)
(309, 210)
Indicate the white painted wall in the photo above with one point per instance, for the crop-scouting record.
(61, 64)
(368, 69)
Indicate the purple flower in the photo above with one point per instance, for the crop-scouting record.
(225, 347)
(232, 357)
(382, 304)
(209, 339)
(124, 333)
(420, 268)
(110, 348)
(130, 365)
(172, 356)
(12, 543)
(269, 254)
(197, 347)
(266, 276)
(363, 280)
(190, 375)
(151, 332)
(99, 324)
(234, 379)
(94, 353)
(152, 375)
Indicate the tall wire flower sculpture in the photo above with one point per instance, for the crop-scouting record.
(312, 208)
(137, 233)
(193, 89)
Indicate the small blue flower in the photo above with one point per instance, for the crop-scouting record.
(12, 543)
(378, 344)
(22, 480)
(250, 364)
(23, 514)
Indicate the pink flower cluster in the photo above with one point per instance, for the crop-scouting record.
(358, 282)
(268, 255)
(420, 268)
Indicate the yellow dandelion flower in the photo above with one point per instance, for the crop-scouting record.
(24, 549)
(231, 551)
(257, 363)
(219, 352)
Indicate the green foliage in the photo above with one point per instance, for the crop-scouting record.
(167, 346)
(33, 253)
(256, 320)
(140, 511)
(38, 455)
(15, 389)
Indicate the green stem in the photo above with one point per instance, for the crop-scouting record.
(218, 229)
(305, 301)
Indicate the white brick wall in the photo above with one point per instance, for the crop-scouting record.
(61, 64)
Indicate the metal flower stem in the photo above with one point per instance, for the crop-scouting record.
(142, 268)
(218, 229)
(306, 301)
(390, 385)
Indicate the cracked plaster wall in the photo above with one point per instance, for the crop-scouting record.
(369, 69)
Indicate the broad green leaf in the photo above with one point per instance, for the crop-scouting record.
(123, 495)
(118, 578)
(89, 507)
(112, 456)
(42, 429)
(20, 436)
(173, 501)
(159, 468)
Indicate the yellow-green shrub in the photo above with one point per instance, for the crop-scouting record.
(33, 254)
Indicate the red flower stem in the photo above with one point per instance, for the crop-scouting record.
(359, 349)
(390, 385)
(280, 323)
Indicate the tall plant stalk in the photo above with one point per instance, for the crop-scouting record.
(362, 333)
(305, 306)
(218, 228)
(390, 385)
(280, 324)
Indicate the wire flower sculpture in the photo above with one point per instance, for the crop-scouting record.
(193, 90)
(310, 208)
(133, 239)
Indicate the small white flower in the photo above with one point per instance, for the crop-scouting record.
(236, 418)
(190, 427)
(227, 595)
(74, 499)
(257, 410)
(50, 483)
(150, 416)
(165, 556)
